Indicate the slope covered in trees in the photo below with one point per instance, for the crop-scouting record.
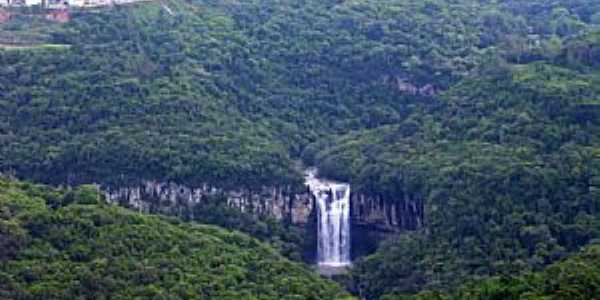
(508, 169)
(576, 278)
(60, 244)
(229, 93)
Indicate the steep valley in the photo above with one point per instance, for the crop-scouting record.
(457, 145)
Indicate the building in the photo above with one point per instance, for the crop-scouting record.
(63, 4)
(32, 2)
(57, 4)
(12, 3)
(58, 15)
(4, 16)
(20, 2)
(96, 3)
(77, 3)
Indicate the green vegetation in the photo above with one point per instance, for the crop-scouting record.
(230, 93)
(68, 245)
(484, 112)
(507, 168)
(576, 278)
(291, 241)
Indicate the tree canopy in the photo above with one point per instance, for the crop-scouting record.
(59, 244)
(485, 112)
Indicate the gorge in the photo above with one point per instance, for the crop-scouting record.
(338, 224)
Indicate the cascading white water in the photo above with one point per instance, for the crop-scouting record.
(333, 203)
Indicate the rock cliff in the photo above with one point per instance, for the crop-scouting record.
(372, 211)
(151, 196)
(404, 213)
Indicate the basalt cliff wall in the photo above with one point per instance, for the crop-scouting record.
(370, 211)
(171, 198)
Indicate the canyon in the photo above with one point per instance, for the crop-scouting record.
(372, 217)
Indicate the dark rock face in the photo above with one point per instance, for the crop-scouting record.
(385, 215)
(374, 218)
(310, 228)
(365, 239)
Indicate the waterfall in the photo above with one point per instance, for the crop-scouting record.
(333, 204)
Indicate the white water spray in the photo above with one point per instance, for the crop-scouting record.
(333, 203)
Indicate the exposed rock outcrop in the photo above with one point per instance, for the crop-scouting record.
(405, 86)
(387, 214)
(372, 211)
(277, 202)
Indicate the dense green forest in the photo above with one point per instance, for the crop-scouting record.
(576, 278)
(291, 241)
(59, 244)
(487, 112)
(230, 93)
(510, 180)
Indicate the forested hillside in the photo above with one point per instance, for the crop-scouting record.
(229, 93)
(508, 167)
(576, 278)
(59, 244)
(487, 112)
